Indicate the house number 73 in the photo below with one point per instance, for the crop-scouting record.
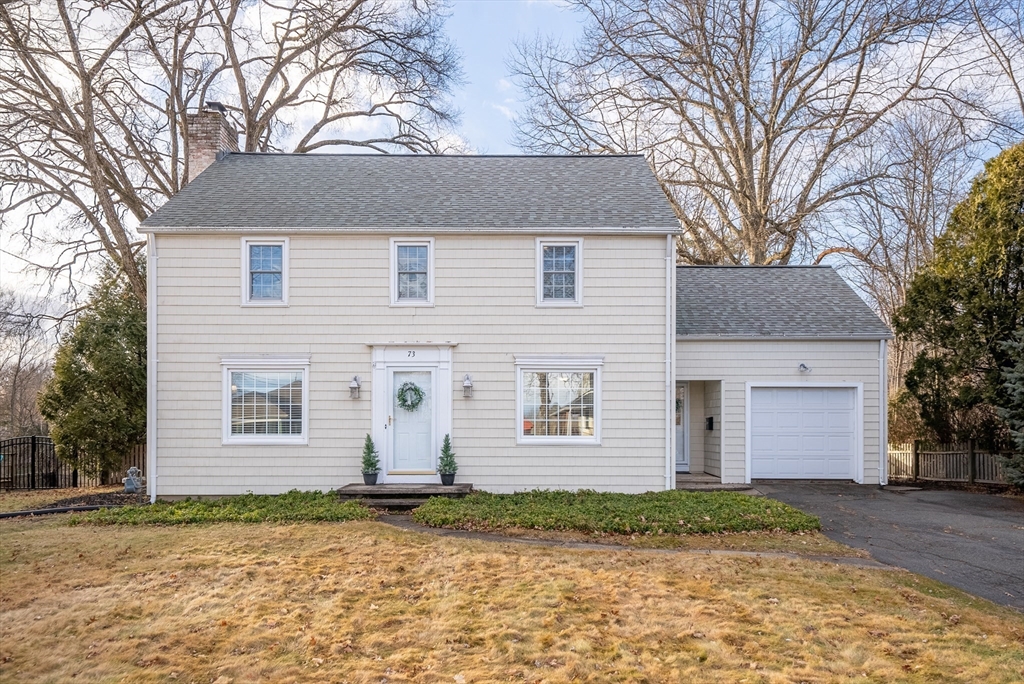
(412, 354)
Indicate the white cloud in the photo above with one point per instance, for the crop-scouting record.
(503, 109)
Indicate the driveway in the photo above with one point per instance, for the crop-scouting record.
(974, 542)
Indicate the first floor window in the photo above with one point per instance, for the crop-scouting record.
(265, 404)
(559, 404)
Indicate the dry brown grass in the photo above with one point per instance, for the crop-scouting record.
(364, 602)
(27, 500)
(802, 543)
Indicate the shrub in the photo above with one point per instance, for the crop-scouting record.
(295, 506)
(446, 464)
(371, 462)
(668, 512)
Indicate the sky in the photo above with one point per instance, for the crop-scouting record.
(485, 32)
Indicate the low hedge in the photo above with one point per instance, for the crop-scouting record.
(668, 512)
(295, 506)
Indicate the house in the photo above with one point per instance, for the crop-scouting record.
(525, 305)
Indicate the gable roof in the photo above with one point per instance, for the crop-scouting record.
(771, 301)
(388, 192)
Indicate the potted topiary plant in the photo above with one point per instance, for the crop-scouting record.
(371, 464)
(446, 464)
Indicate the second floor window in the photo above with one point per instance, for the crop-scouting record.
(558, 273)
(412, 277)
(265, 272)
(412, 272)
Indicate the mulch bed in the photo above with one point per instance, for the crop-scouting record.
(100, 499)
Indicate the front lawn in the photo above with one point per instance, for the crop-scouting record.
(363, 602)
(653, 513)
(31, 499)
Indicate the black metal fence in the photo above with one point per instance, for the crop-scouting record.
(32, 463)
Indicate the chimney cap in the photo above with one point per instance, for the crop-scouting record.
(214, 106)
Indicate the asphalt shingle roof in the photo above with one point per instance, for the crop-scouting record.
(245, 190)
(771, 301)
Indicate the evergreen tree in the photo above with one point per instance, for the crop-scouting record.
(96, 400)
(446, 464)
(966, 304)
(1013, 411)
(371, 460)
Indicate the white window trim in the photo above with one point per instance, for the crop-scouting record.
(246, 301)
(429, 301)
(558, 363)
(258, 364)
(560, 303)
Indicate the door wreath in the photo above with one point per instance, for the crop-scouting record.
(410, 396)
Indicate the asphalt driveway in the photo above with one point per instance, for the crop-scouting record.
(974, 542)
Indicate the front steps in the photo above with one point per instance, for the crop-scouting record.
(400, 497)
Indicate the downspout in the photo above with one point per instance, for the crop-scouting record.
(670, 361)
(883, 417)
(152, 362)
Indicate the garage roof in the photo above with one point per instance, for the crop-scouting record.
(771, 301)
(401, 192)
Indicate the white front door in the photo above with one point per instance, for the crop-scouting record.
(412, 440)
(409, 439)
(682, 448)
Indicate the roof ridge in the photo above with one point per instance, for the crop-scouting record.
(314, 155)
(755, 266)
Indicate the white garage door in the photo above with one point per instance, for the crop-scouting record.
(803, 432)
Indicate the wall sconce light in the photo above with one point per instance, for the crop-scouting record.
(709, 423)
(467, 387)
(353, 388)
(804, 368)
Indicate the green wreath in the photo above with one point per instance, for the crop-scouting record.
(410, 396)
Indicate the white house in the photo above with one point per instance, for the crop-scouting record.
(527, 306)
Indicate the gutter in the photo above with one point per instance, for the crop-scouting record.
(670, 328)
(411, 230)
(152, 366)
(883, 413)
(870, 337)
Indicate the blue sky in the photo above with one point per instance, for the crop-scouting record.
(485, 32)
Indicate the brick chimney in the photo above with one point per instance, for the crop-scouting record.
(209, 134)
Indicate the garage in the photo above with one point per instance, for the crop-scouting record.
(804, 433)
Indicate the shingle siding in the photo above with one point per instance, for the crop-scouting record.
(730, 364)
(338, 304)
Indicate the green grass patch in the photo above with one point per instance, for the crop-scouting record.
(670, 512)
(295, 506)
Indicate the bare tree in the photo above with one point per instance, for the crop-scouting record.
(94, 96)
(917, 167)
(747, 109)
(1000, 25)
(24, 368)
